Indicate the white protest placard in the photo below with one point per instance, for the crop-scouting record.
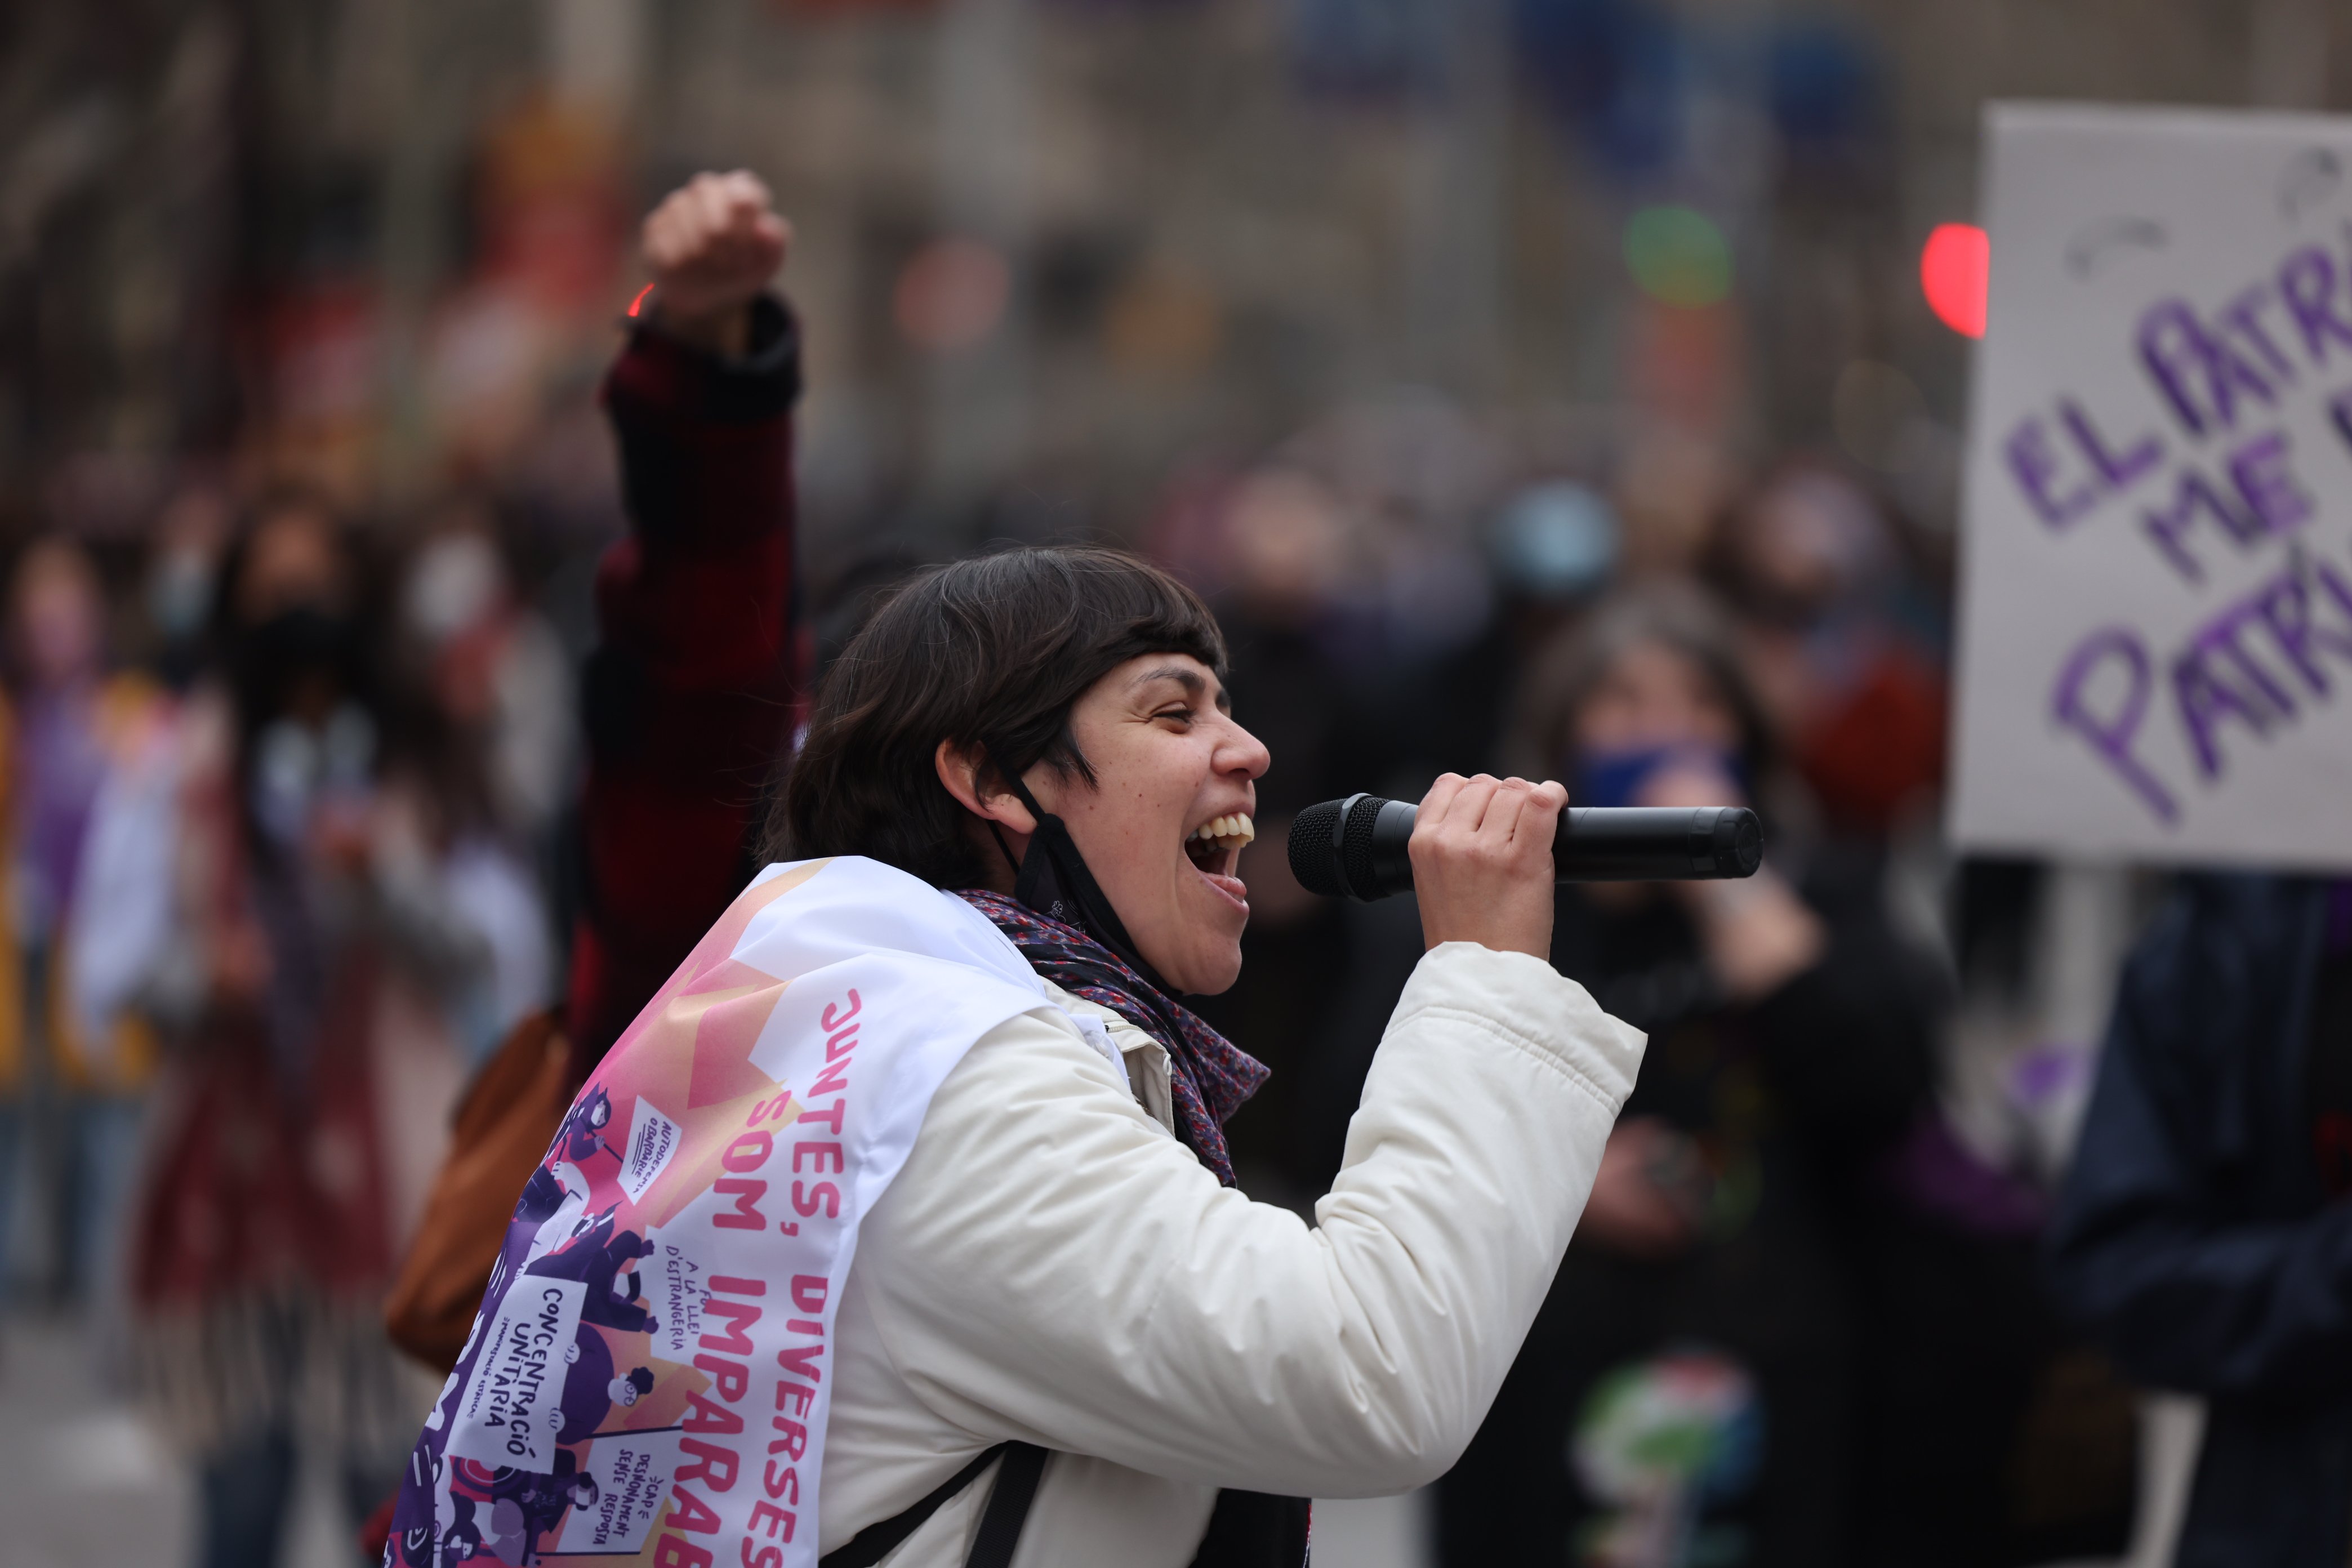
(2156, 596)
(632, 1473)
(512, 1406)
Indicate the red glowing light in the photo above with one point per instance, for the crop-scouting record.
(638, 303)
(1953, 267)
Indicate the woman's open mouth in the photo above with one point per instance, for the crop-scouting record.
(1215, 850)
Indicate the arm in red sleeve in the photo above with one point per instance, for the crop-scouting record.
(690, 694)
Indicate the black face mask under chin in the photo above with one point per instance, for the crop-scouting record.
(1053, 879)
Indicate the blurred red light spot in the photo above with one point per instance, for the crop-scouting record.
(639, 302)
(1953, 267)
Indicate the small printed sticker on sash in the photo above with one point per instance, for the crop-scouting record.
(653, 1143)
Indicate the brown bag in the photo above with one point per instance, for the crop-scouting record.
(503, 1127)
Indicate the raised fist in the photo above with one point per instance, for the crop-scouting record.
(713, 244)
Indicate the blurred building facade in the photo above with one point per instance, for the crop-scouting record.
(1050, 249)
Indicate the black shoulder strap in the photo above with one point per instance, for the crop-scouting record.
(1000, 1527)
(1255, 1529)
(1008, 1506)
(1246, 1530)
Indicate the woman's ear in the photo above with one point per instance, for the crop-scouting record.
(960, 773)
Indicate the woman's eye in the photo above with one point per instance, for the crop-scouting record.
(1182, 715)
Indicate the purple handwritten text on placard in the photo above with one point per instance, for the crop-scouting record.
(2194, 497)
(2307, 281)
(2263, 501)
(2207, 370)
(2207, 697)
(2110, 735)
(2339, 412)
(2199, 373)
(2245, 314)
(2287, 610)
(2285, 605)
(2244, 667)
(2121, 470)
(2260, 472)
(2061, 484)
(2035, 467)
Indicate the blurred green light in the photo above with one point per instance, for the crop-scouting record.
(1677, 256)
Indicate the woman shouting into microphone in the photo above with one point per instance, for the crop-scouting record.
(942, 1037)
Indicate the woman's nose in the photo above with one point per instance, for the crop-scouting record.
(1243, 753)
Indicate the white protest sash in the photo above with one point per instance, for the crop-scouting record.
(650, 1374)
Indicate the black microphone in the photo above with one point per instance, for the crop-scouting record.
(1355, 847)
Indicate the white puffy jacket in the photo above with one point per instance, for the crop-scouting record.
(1053, 1266)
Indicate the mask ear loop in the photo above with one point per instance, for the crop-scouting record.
(1004, 848)
(1020, 793)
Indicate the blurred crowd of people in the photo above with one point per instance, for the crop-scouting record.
(307, 816)
(284, 800)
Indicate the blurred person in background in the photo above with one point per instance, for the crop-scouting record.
(71, 712)
(16, 1069)
(486, 713)
(261, 859)
(1550, 550)
(689, 697)
(1553, 546)
(1988, 1431)
(58, 624)
(1812, 564)
(121, 908)
(174, 597)
(2204, 1231)
(1687, 1393)
(494, 667)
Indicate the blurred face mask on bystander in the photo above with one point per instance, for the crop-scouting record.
(1653, 697)
(1654, 715)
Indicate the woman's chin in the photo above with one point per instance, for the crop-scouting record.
(1211, 972)
(1214, 914)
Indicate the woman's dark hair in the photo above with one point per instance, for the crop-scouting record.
(991, 652)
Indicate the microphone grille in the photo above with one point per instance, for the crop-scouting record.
(1356, 847)
(1311, 860)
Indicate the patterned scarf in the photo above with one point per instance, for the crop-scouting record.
(1210, 1075)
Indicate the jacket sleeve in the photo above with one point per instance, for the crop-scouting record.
(1050, 1265)
(690, 693)
(2146, 1248)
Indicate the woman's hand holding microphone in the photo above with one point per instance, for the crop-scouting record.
(1481, 862)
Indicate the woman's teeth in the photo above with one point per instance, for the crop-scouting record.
(1231, 832)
